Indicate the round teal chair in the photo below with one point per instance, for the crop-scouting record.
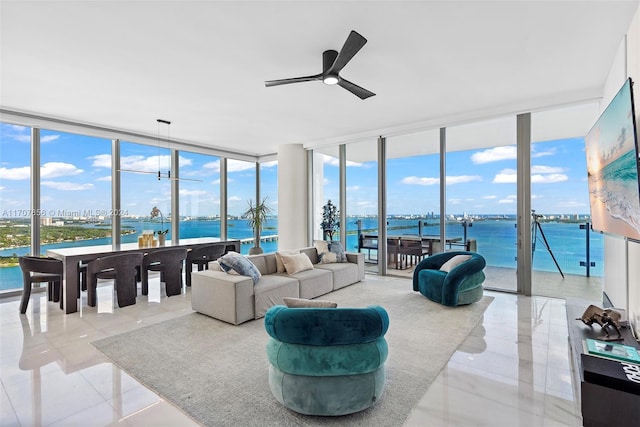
(327, 361)
(451, 278)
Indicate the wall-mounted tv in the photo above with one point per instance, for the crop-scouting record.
(613, 168)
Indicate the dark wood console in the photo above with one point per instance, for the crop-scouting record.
(608, 391)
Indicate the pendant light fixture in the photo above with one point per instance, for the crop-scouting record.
(161, 174)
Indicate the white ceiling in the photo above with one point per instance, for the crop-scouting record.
(202, 64)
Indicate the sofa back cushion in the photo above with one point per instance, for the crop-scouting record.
(312, 253)
(266, 263)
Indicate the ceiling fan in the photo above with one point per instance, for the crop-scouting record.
(332, 63)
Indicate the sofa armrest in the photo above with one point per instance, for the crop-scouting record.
(226, 297)
(357, 258)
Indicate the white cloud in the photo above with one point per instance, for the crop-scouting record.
(460, 179)
(67, 186)
(490, 197)
(101, 161)
(415, 180)
(104, 178)
(508, 152)
(141, 163)
(506, 201)
(192, 192)
(353, 188)
(495, 154)
(505, 176)
(334, 161)
(269, 164)
(58, 169)
(232, 166)
(235, 199)
(48, 170)
(548, 179)
(48, 138)
(15, 174)
(549, 152)
(546, 169)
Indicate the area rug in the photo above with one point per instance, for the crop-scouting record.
(218, 373)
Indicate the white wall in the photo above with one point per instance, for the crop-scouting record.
(292, 196)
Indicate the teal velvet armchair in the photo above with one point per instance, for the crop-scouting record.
(458, 283)
(327, 361)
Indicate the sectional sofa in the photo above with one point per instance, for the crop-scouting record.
(236, 299)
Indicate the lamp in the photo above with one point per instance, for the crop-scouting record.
(160, 174)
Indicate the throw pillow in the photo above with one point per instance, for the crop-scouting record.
(279, 264)
(454, 262)
(338, 249)
(324, 255)
(240, 264)
(296, 263)
(301, 303)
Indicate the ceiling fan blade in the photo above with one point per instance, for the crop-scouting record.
(353, 44)
(270, 83)
(358, 91)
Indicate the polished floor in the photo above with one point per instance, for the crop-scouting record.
(513, 370)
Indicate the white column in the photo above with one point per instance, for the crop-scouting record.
(292, 197)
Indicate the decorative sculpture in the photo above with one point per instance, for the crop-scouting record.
(606, 318)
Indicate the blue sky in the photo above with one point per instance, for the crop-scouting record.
(479, 181)
(75, 175)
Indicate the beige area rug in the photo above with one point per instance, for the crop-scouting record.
(218, 373)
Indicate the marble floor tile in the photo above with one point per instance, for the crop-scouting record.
(512, 370)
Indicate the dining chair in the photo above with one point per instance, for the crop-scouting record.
(411, 251)
(41, 270)
(201, 257)
(169, 263)
(122, 269)
(393, 250)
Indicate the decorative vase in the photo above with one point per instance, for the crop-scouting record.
(161, 239)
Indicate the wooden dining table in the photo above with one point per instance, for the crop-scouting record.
(369, 242)
(72, 256)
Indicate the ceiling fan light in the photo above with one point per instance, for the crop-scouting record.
(330, 80)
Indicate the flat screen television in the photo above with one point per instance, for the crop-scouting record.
(613, 168)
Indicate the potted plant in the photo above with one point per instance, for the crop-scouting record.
(162, 233)
(256, 216)
(330, 220)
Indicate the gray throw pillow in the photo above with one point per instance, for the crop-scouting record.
(240, 264)
(338, 249)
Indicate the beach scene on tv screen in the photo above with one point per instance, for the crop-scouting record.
(612, 166)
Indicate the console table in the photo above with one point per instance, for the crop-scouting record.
(605, 393)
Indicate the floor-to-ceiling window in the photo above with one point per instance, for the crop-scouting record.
(241, 188)
(564, 250)
(15, 222)
(269, 191)
(362, 197)
(141, 189)
(481, 195)
(75, 190)
(326, 164)
(413, 195)
(199, 195)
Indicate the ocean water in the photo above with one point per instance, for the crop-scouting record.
(496, 241)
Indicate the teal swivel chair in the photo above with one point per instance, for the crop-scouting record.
(458, 285)
(327, 361)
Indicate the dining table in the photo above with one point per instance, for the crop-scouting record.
(370, 242)
(72, 256)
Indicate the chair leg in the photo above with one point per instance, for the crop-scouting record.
(24, 301)
(145, 281)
